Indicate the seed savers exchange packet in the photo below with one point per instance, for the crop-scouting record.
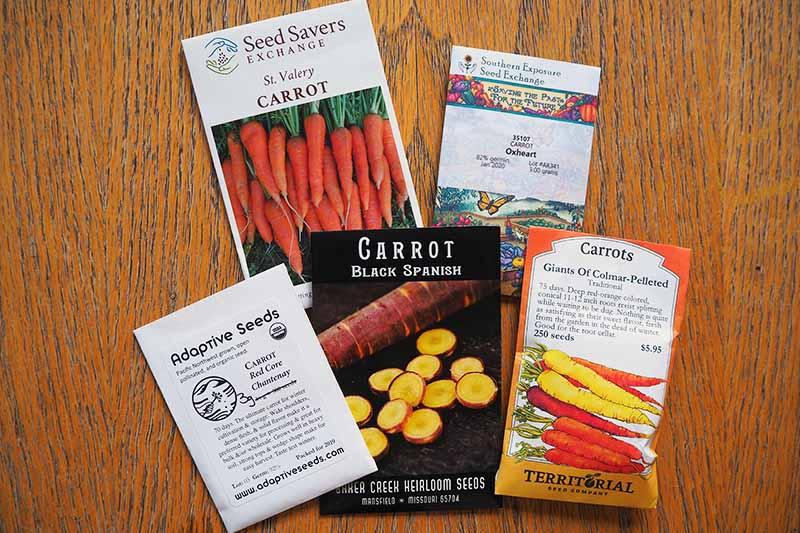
(254, 399)
(410, 322)
(598, 322)
(516, 146)
(302, 132)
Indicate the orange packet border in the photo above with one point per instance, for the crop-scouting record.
(637, 490)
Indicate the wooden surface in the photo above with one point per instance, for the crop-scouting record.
(111, 217)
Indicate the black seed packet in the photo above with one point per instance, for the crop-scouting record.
(410, 322)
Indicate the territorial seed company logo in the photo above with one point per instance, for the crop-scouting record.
(221, 57)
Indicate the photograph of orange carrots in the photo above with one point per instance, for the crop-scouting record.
(575, 409)
(327, 165)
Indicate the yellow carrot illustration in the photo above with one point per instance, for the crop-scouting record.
(566, 366)
(558, 387)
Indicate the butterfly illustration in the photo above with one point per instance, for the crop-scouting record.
(485, 203)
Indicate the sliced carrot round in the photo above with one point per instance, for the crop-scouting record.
(440, 394)
(408, 386)
(379, 381)
(476, 390)
(377, 443)
(437, 341)
(465, 365)
(360, 408)
(423, 427)
(393, 415)
(427, 366)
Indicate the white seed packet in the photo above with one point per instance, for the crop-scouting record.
(516, 148)
(261, 81)
(255, 400)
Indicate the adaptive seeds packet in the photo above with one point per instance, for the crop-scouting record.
(598, 321)
(289, 104)
(410, 322)
(254, 399)
(516, 146)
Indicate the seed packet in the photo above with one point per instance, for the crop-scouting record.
(302, 133)
(410, 322)
(516, 146)
(254, 399)
(598, 321)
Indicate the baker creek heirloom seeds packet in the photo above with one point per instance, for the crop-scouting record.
(516, 146)
(255, 401)
(302, 133)
(598, 321)
(410, 322)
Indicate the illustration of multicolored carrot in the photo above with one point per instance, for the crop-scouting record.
(587, 449)
(595, 436)
(565, 366)
(545, 402)
(556, 386)
(566, 458)
(620, 377)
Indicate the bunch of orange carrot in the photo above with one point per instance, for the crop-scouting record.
(576, 444)
(323, 166)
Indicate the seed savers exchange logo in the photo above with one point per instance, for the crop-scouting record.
(221, 55)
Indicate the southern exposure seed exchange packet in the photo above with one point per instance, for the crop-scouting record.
(598, 322)
(291, 107)
(410, 322)
(516, 146)
(254, 399)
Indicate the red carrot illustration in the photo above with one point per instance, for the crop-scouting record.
(555, 407)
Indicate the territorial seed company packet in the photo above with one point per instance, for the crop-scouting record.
(516, 147)
(410, 322)
(598, 321)
(302, 132)
(254, 399)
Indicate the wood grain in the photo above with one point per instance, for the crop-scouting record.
(111, 217)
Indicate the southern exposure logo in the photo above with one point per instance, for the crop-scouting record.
(467, 65)
(221, 57)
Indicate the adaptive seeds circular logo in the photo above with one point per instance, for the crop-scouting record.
(221, 57)
(214, 398)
